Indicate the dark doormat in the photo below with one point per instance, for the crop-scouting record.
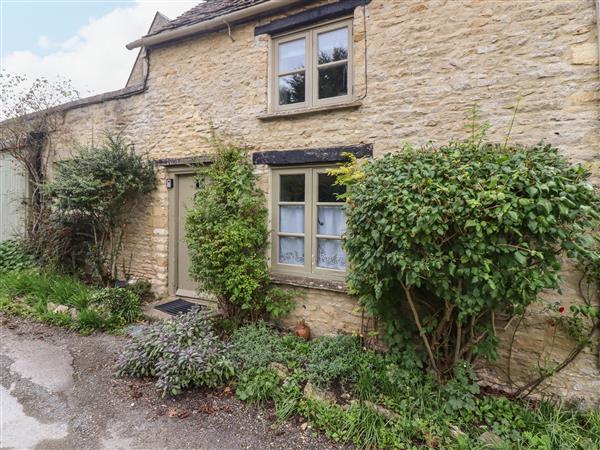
(177, 306)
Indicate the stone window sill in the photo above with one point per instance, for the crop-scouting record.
(312, 283)
(306, 111)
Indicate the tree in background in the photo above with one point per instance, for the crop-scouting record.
(29, 113)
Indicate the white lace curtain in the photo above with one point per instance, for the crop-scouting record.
(331, 221)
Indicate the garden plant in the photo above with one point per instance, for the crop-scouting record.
(92, 195)
(227, 236)
(450, 242)
(352, 394)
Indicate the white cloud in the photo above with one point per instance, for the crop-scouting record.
(44, 42)
(95, 58)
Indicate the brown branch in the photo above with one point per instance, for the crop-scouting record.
(420, 327)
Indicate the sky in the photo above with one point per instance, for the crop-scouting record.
(79, 40)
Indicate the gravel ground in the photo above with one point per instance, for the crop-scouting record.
(59, 392)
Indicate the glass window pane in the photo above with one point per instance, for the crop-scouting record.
(331, 220)
(292, 89)
(330, 254)
(291, 188)
(291, 250)
(291, 55)
(291, 219)
(333, 81)
(333, 45)
(328, 192)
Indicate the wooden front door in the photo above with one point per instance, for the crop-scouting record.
(185, 186)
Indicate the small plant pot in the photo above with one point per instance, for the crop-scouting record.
(302, 330)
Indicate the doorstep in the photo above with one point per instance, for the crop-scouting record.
(151, 313)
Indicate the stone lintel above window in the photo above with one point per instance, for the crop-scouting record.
(320, 155)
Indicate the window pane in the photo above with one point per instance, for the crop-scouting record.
(292, 88)
(291, 188)
(291, 55)
(330, 254)
(327, 190)
(333, 81)
(291, 219)
(333, 45)
(331, 220)
(291, 250)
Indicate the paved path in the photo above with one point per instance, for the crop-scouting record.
(57, 392)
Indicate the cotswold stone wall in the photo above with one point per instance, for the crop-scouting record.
(419, 67)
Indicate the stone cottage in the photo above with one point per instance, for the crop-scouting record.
(301, 82)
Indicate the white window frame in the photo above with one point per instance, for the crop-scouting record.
(311, 68)
(311, 203)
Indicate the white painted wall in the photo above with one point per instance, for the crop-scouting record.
(13, 194)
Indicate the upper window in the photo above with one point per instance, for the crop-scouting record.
(308, 223)
(313, 67)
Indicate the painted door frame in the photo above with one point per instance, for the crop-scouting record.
(173, 198)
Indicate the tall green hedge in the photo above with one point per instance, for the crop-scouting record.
(227, 236)
(443, 240)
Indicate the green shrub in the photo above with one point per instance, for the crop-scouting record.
(226, 232)
(142, 289)
(14, 257)
(287, 398)
(181, 353)
(334, 358)
(28, 292)
(34, 286)
(92, 194)
(256, 345)
(257, 385)
(468, 229)
(118, 304)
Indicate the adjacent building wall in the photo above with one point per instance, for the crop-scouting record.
(419, 67)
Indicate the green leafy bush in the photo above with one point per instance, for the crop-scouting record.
(257, 385)
(467, 229)
(14, 257)
(394, 403)
(28, 293)
(183, 352)
(119, 304)
(142, 289)
(92, 195)
(227, 235)
(256, 345)
(334, 358)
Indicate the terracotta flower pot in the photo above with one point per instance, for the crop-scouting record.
(302, 330)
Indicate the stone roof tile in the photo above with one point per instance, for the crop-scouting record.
(205, 11)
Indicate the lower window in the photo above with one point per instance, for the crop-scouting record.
(308, 223)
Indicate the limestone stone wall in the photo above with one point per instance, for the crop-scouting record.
(419, 67)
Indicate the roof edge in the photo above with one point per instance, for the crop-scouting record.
(86, 101)
(211, 24)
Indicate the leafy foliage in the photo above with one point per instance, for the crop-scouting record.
(469, 229)
(142, 288)
(399, 406)
(257, 385)
(256, 345)
(181, 353)
(118, 303)
(14, 257)
(334, 358)
(28, 293)
(227, 237)
(93, 192)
